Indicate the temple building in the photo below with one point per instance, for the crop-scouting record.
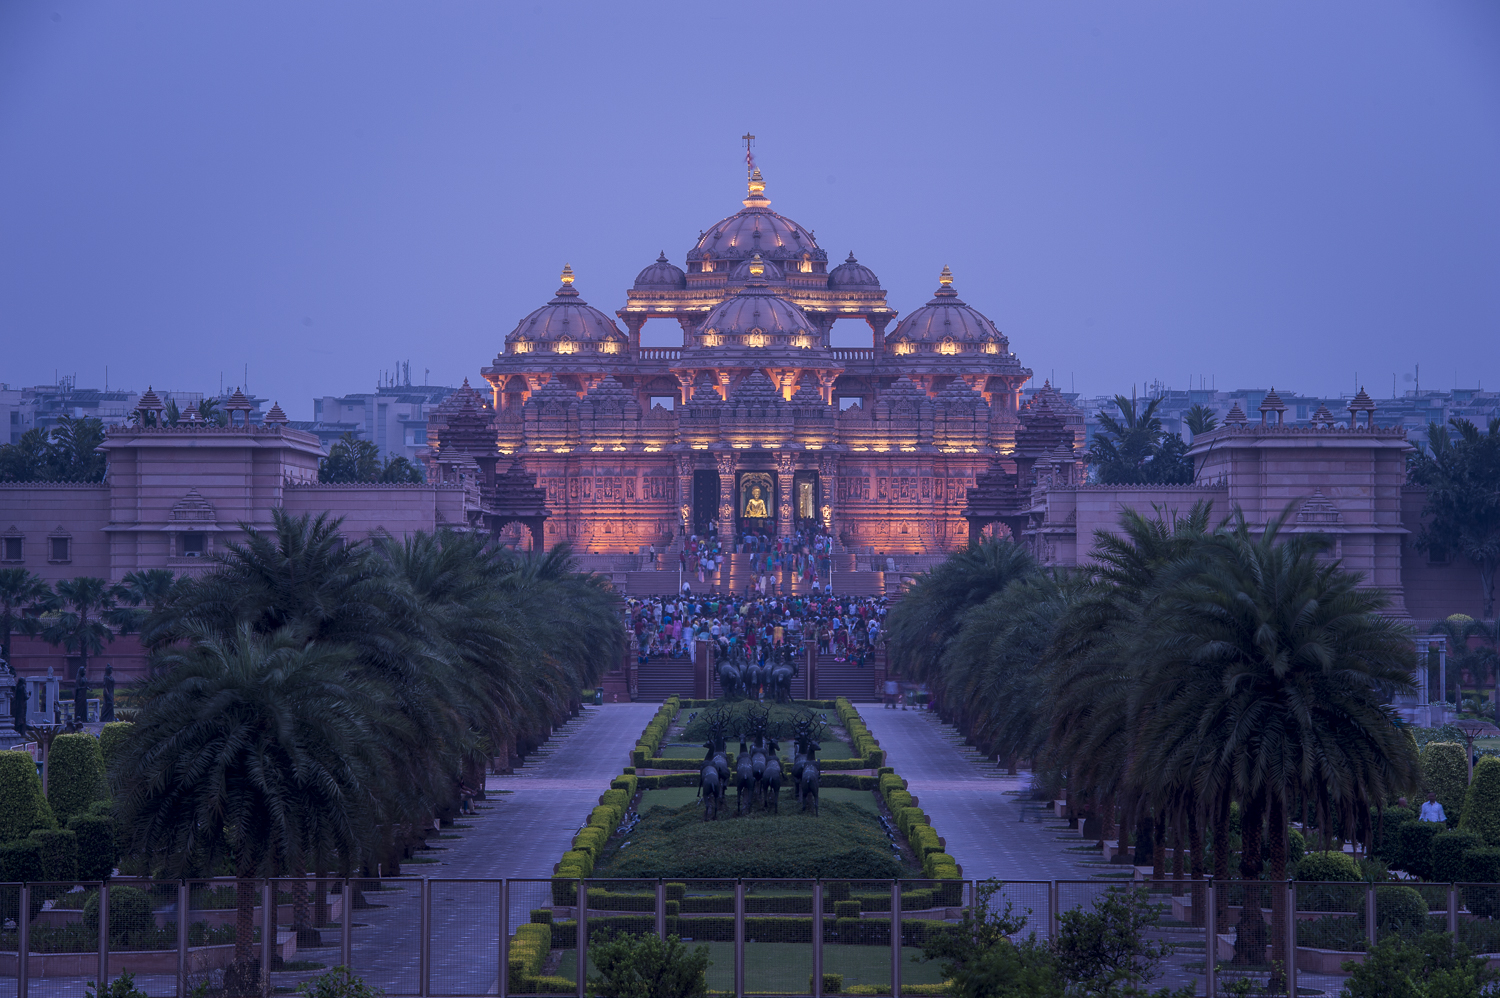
(756, 422)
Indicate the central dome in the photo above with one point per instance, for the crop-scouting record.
(755, 312)
(757, 229)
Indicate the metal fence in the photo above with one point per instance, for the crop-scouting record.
(459, 938)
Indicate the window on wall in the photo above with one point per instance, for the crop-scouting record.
(192, 544)
(62, 548)
(13, 549)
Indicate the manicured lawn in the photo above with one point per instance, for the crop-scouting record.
(675, 797)
(781, 968)
(843, 841)
(832, 748)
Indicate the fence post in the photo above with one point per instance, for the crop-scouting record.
(817, 938)
(103, 936)
(1370, 915)
(1291, 938)
(583, 936)
(739, 939)
(346, 924)
(661, 909)
(1052, 906)
(267, 933)
(424, 951)
(1211, 940)
(895, 937)
(503, 988)
(184, 898)
(1453, 910)
(23, 943)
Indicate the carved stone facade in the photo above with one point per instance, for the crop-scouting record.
(756, 420)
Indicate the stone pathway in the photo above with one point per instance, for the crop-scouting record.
(990, 829)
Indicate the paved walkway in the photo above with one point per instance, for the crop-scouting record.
(973, 805)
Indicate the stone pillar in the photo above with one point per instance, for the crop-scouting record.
(826, 380)
(725, 464)
(685, 383)
(786, 468)
(685, 493)
(828, 469)
(877, 330)
(633, 323)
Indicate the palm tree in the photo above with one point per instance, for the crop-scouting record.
(75, 449)
(21, 591)
(261, 749)
(83, 605)
(147, 591)
(1134, 450)
(1288, 665)
(1200, 419)
(930, 615)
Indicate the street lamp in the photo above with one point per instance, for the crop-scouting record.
(1472, 729)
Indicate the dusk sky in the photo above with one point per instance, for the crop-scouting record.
(1295, 194)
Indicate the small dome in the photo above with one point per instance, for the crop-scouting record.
(769, 271)
(755, 309)
(661, 276)
(564, 324)
(949, 325)
(853, 275)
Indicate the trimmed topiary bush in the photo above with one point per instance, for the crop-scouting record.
(75, 775)
(112, 740)
(21, 861)
(129, 913)
(1387, 844)
(1445, 772)
(22, 806)
(94, 838)
(1448, 853)
(1481, 812)
(59, 850)
(1400, 909)
(1414, 847)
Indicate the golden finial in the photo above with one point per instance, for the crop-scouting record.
(567, 275)
(757, 184)
(757, 266)
(946, 278)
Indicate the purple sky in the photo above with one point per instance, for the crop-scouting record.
(1262, 193)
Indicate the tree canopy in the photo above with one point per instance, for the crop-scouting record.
(1135, 450)
(68, 452)
(1461, 472)
(353, 460)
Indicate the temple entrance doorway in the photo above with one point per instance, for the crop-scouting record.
(755, 503)
(807, 500)
(705, 500)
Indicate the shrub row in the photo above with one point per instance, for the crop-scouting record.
(824, 765)
(529, 948)
(864, 743)
(656, 732)
(841, 903)
(589, 843)
(810, 704)
(914, 823)
(853, 931)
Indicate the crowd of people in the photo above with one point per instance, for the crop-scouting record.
(806, 555)
(757, 628)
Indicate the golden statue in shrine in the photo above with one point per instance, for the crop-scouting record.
(755, 506)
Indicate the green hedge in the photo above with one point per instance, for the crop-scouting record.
(656, 729)
(112, 738)
(1414, 846)
(853, 931)
(97, 849)
(75, 775)
(22, 805)
(1481, 812)
(694, 765)
(21, 861)
(1449, 849)
(1445, 772)
(59, 852)
(529, 949)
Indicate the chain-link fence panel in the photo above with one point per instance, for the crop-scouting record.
(541, 926)
(619, 916)
(778, 936)
(464, 940)
(857, 933)
(705, 917)
(386, 925)
(1028, 900)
